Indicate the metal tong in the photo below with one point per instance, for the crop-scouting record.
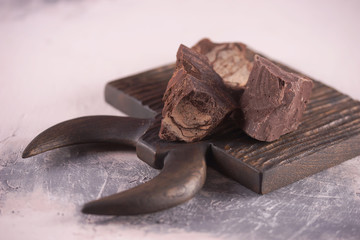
(183, 165)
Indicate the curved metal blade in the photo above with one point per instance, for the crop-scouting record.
(92, 129)
(181, 178)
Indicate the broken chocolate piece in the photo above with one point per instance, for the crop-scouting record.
(195, 101)
(273, 101)
(232, 61)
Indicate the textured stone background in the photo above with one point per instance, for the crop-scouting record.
(56, 57)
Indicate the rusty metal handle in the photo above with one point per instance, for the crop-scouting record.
(91, 129)
(183, 175)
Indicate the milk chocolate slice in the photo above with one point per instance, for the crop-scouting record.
(232, 61)
(195, 101)
(273, 101)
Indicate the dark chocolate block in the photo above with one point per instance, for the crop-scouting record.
(273, 101)
(195, 101)
(232, 61)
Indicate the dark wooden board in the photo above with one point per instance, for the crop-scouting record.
(328, 135)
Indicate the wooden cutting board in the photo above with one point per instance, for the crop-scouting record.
(328, 135)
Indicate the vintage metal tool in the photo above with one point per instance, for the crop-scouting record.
(329, 134)
(183, 168)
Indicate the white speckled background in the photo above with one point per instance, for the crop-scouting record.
(55, 59)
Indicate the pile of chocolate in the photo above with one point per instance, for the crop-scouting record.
(211, 81)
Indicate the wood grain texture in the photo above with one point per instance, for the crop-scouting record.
(140, 95)
(328, 135)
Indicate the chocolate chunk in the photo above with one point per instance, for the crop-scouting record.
(232, 61)
(195, 100)
(273, 101)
